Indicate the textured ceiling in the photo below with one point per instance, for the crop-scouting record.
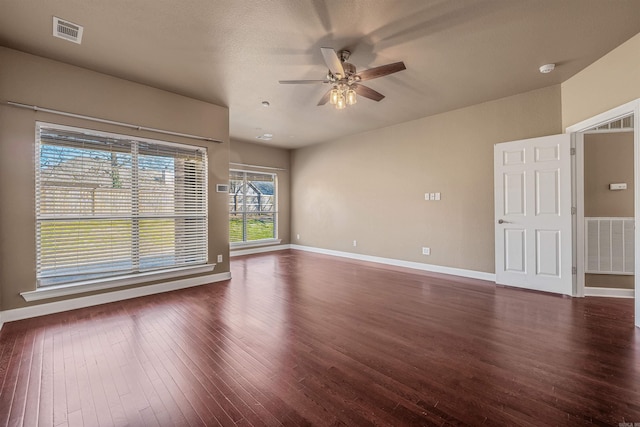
(233, 52)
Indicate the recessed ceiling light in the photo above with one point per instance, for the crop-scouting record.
(547, 68)
(265, 137)
(265, 104)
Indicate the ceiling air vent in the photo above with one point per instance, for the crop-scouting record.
(67, 30)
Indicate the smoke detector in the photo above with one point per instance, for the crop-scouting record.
(67, 30)
(547, 68)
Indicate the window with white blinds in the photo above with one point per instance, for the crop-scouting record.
(252, 206)
(109, 205)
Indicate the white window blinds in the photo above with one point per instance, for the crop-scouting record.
(109, 205)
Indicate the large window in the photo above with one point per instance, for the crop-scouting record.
(110, 205)
(252, 206)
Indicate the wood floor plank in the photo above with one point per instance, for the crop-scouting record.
(60, 414)
(19, 403)
(45, 411)
(305, 339)
(35, 386)
(11, 355)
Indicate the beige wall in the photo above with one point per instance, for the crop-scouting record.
(252, 155)
(608, 158)
(609, 82)
(370, 187)
(33, 80)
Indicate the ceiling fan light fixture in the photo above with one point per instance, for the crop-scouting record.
(351, 97)
(341, 103)
(335, 94)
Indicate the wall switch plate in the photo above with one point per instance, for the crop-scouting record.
(618, 186)
(219, 258)
(426, 251)
(437, 196)
(432, 196)
(426, 196)
(355, 243)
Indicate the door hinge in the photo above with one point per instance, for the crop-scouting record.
(574, 270)
(573, 151)
(574, 210)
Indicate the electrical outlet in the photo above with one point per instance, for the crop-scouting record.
(219, 258)
(426, 251)
(355, 243)
(298, 236)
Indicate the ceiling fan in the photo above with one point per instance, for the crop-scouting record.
(345, 81)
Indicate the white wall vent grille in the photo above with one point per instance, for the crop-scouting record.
(67, 30)
(610, 245)
(624, 124)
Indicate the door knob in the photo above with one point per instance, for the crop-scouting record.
(502, 221)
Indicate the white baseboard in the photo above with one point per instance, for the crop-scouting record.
(258, 250)
(91, 300)
(472, 274)
(608, 292)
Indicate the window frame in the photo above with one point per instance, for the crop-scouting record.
(244, 212)
(135, 274)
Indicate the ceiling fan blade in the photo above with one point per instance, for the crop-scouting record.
(301, 82)
(383, 70)
(325, 98)
(367, 92)
(333, 62)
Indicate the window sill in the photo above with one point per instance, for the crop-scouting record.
(254, 244)
(112, 282)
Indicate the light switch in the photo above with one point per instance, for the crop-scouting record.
(618, 186)
(437, 196)
(432, 196)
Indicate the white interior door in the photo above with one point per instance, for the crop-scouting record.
(533, 225)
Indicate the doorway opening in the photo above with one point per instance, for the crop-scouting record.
(608, 201)
(607, 242)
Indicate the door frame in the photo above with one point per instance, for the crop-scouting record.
(632, 107)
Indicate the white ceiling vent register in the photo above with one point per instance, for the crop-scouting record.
(67, 30)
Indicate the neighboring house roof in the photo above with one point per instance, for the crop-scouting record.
(264, 188)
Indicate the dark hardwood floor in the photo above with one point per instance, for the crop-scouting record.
(305, 339)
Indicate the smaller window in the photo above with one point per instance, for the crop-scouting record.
(252, 206)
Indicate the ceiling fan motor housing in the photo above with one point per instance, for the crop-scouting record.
(349, 69)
